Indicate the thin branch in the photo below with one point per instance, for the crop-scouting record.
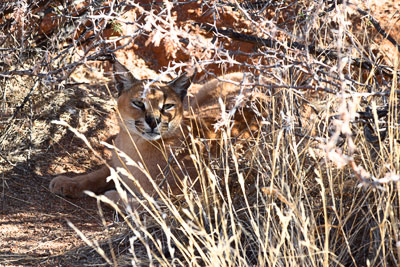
(375, 23)
(269, 42)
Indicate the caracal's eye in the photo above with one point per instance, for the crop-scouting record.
(138, 104)
(168, 106)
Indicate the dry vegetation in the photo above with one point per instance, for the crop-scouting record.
(318, 185)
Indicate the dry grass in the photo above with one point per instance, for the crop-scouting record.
(315, 186)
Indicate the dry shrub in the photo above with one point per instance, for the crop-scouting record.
(316, 186)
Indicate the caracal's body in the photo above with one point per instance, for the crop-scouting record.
(154, 132)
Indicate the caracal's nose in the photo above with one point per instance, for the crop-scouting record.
(152, 122)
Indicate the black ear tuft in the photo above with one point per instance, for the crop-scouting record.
(123, 77)
(182, 83)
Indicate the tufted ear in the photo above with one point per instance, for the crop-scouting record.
(123, 77)
(182, 83)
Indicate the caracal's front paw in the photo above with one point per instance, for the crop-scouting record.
(65, 186)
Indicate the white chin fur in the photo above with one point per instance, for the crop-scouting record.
(151, 137)
(147, 136)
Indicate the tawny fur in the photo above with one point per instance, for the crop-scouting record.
(155, 154)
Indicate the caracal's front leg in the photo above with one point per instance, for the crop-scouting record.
(74, 186)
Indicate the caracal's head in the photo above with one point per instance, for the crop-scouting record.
(150, 109)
